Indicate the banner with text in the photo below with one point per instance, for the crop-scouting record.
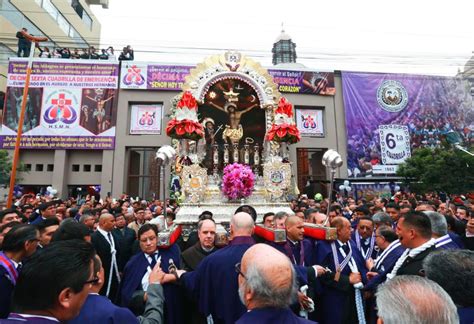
(148, 76)
(390, 115)
(70, 105)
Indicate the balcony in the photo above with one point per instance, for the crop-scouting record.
(103, 3)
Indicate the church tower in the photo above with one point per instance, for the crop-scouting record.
(284, 50)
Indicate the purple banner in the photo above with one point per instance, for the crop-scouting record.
(136, 75)
(61, 142)
(70, 105)
(390, 115)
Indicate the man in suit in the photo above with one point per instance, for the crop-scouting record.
(127, 238)
(99, 309)
(46, 230)
(53, 284)
(107, 246)
(47, 210)
(267, 286)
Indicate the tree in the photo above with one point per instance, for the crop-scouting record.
(441, 169)
(6, 168)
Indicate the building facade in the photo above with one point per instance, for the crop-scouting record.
(66, 23)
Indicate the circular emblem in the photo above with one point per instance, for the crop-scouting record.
(392, 96)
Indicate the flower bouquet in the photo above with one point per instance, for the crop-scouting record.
(284, 129)
(184, 123)
(238, 181)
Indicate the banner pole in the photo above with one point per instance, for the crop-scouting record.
(16, 154)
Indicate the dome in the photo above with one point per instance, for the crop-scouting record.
(283, 36)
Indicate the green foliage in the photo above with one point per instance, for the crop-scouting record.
(6, 168)
(448, 170)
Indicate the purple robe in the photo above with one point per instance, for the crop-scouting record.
(337, 297)
(385, 267)
(446, 242)
(466, 315)
(364, 245)
(271, 316)
(214, 284)
(132, 281)
(18, 318)
(99, 309)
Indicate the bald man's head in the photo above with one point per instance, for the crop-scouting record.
(107, 222)
(241, 224)
(269, 278)
(343, 227)
(294, 228)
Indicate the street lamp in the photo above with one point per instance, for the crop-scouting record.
(453, 138)
(164, 156)
(333, 161)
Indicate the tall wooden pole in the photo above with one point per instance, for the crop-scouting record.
(16, 154)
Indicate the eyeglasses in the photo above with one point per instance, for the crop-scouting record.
(239, 271)
(92, 281)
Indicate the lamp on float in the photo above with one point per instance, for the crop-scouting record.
(164, 156)
(333, 161)
(453, 138)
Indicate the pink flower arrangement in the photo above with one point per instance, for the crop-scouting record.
(238, 181)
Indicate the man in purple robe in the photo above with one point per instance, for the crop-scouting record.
(267, 286)
(214, 283)
(439, 231)
(364, 237)
(137, 270)
(339, 293)
(390, 250)
(53, 284)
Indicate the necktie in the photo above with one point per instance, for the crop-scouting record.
(153, 260)
(109, 236)
(345, 247)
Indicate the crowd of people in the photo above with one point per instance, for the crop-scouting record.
(409, 259)
(90, 53)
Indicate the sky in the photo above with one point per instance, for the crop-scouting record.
(416, 36)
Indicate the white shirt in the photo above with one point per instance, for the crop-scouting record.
(106, 235)
(146, 276)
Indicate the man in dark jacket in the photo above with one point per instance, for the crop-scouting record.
(24, 45)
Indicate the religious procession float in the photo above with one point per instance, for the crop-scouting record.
(231, 128)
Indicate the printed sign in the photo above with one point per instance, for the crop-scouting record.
(148, 76)
(389, 116)
(70, 105)
(146, 119)
(310, 122)
(394, 143)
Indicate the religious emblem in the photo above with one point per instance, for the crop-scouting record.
(276, 178)
(194, 182)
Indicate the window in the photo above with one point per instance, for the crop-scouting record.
(38, 167)
(28, 167)
(98, 168)
(143, 173)
(75, 168)
(50, 167)
(311, 173)
(87, 168)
